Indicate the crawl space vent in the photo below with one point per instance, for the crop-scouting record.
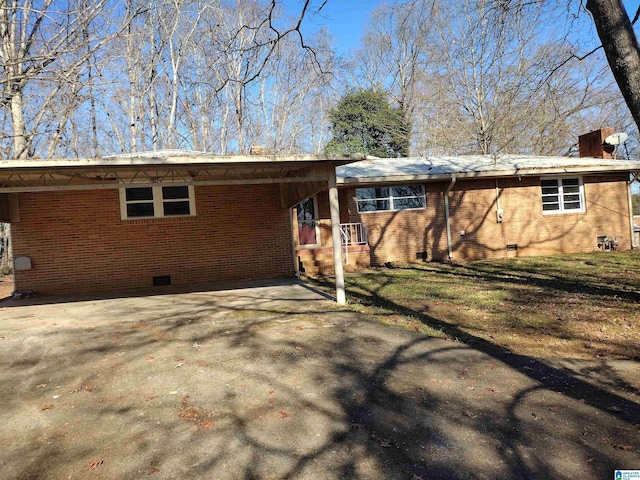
(161, 280)
(512, 247)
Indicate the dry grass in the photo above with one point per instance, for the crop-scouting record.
(571, 306)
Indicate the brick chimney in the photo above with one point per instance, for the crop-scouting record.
(592, 144)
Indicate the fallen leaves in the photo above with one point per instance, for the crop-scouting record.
(84, 388)
(284, 414)
(48, 407)
(95, 464)
(194, 415)
(153, 470)
(469, 414)
(626, 448)
(41, 386)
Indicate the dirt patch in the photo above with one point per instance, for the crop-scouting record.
(6, 286)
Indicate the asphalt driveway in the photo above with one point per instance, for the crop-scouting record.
(278, 382)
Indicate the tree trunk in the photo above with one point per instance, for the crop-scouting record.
(20, 144)
(621, 47)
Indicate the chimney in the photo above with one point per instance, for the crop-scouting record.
(592, 144)
(257, 150)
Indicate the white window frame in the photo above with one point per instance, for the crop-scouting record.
(561, 210)
(158, 202)
(391, 198)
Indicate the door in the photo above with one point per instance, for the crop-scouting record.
(308, 231)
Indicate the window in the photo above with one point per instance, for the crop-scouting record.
(562, 195)
(380, 199)
(157, 202)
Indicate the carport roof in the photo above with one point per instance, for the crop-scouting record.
(374, 170)
(167, 166)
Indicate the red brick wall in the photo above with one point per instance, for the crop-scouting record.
(400, 236)
(78, 243)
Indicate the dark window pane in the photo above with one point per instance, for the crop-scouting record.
(571, 190)
(550, 206)
(136, 194)
(549, 190)
(550, 199)
(373, 205)
(140, 210)
(405, 203)
(369, 193)
(572, 205)
(406, 191)
(549, 183)
(176, 208)
(566, 182)
(572, 198)
(172, 193)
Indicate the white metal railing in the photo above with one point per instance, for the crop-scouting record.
(352, 234)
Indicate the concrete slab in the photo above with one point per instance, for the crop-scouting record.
(275, 382)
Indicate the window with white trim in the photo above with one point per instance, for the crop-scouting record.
(390, 199)
(157, 202)
(562, 195)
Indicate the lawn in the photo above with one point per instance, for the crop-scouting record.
(581, 306)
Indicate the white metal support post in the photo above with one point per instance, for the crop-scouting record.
(334, 207)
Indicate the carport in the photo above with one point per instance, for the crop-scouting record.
(85, 225)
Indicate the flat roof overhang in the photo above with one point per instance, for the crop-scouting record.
(493, 174)
(185, 169)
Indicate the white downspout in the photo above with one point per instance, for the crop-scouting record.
(446, 213)
(633, 238)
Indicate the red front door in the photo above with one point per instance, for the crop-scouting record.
(307, 231)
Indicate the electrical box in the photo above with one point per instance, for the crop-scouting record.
(21, 264)
(499, 215)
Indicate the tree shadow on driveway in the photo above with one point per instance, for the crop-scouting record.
(257, 391)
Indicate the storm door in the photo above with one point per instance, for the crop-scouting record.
(308, 231)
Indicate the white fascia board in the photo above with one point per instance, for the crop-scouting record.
(525, 172)
(187, 160)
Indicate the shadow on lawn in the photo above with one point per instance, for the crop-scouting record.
(318, 394)
(552, 378)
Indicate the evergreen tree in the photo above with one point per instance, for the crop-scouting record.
(364, 122)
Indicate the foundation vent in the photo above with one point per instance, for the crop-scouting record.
(512, 247)
(161, 280)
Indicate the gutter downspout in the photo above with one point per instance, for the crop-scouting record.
(446, 214)
(631, 227)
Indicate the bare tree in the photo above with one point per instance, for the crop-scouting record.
(34, 37)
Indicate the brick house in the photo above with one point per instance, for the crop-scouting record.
(173, 217)
(472, 207)
(182, 218)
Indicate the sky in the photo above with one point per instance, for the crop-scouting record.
(344, 18)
